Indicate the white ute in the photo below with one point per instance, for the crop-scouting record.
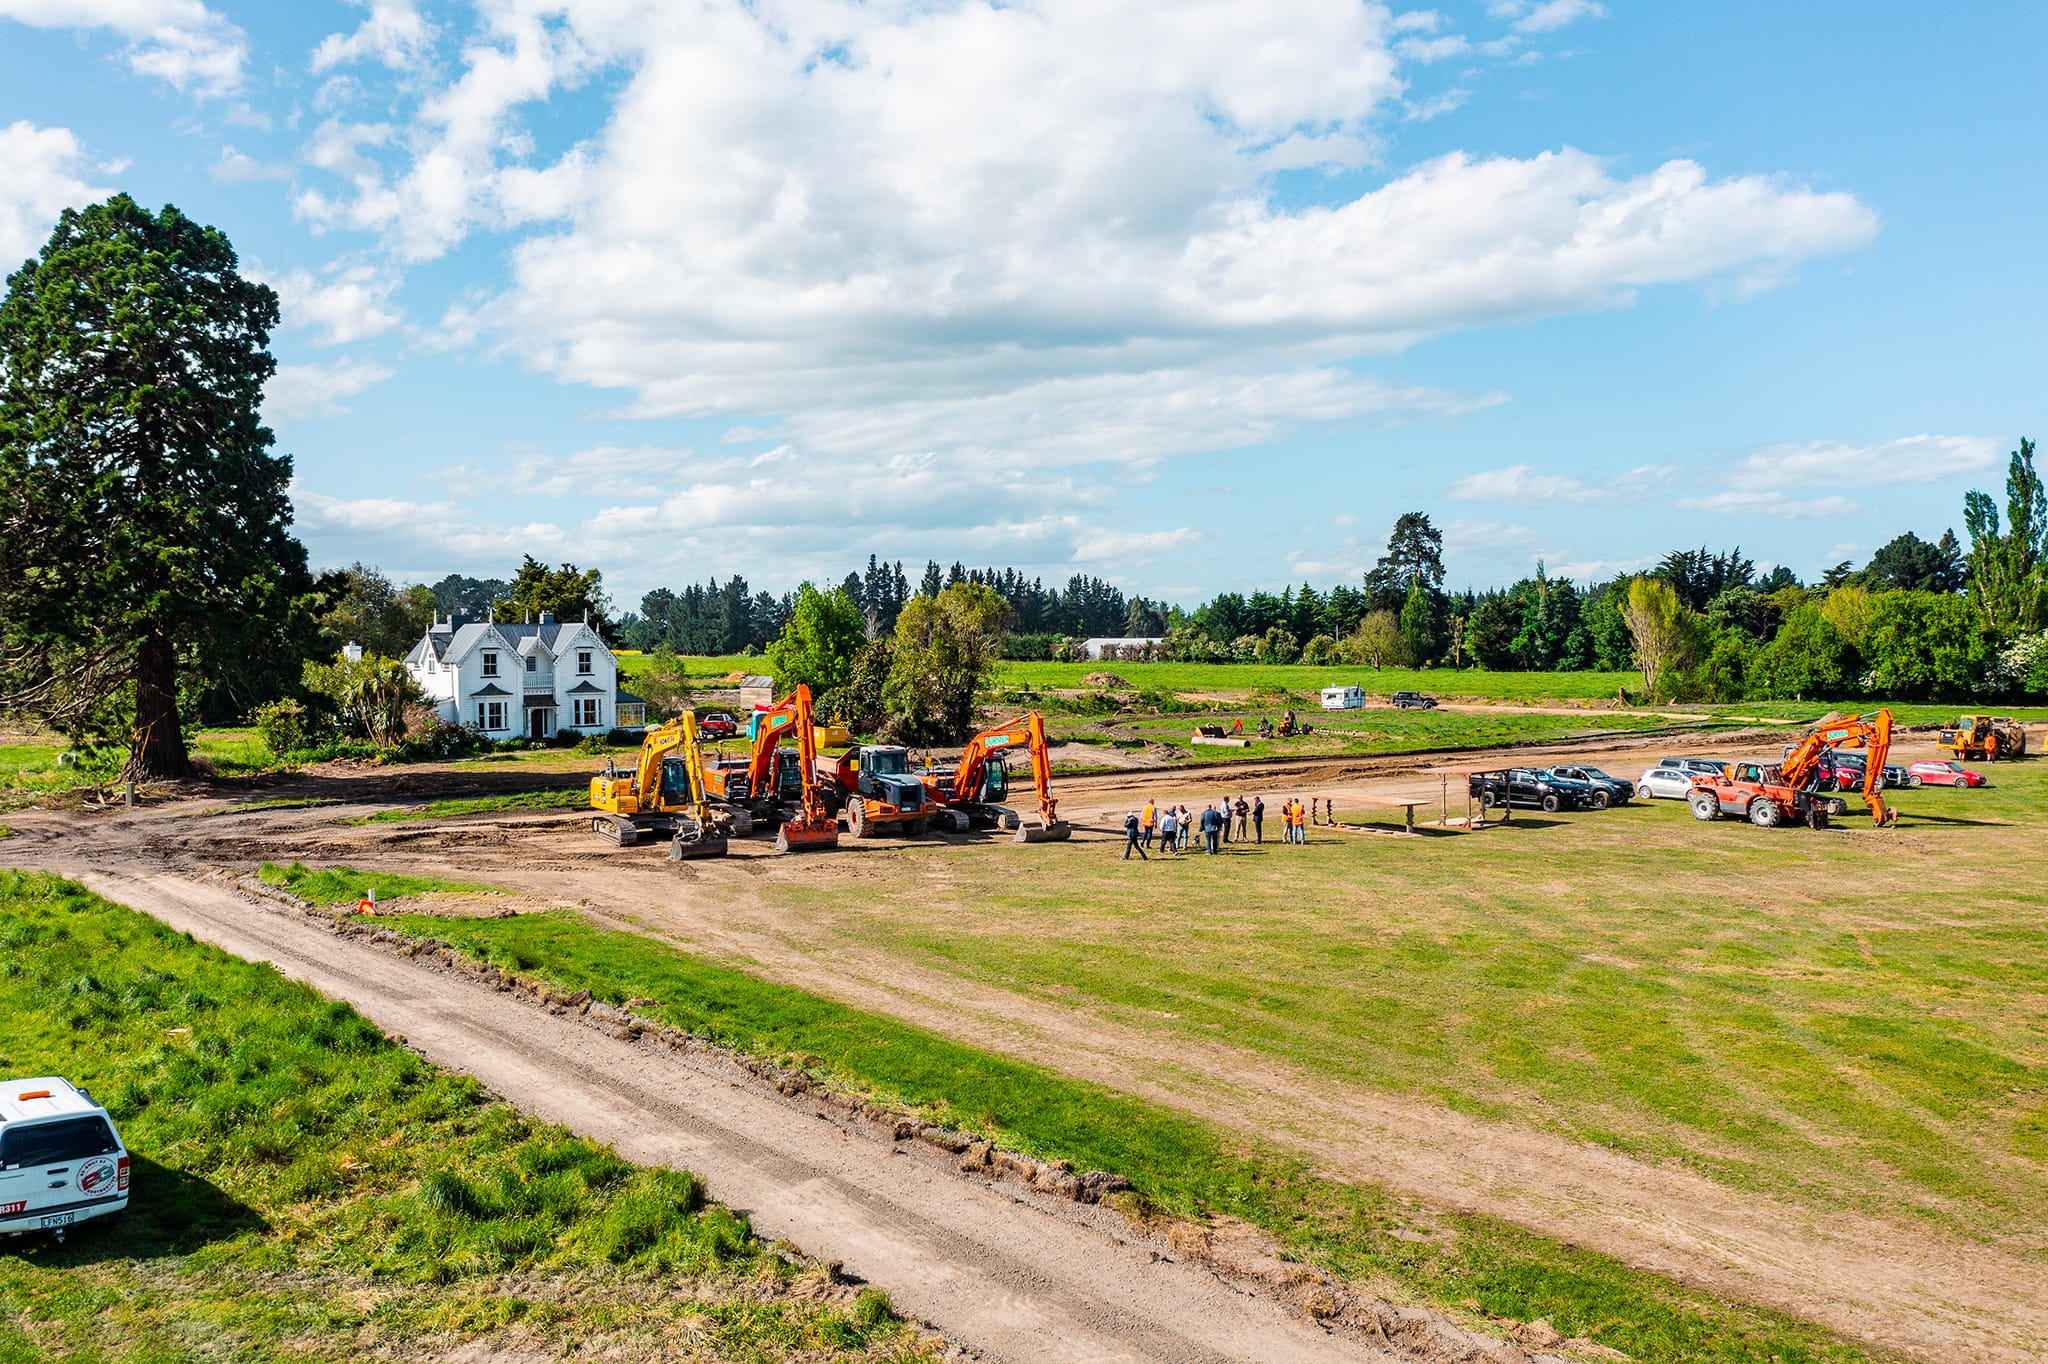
(61, 1161)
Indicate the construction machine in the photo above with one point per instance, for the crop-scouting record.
(661, 796)
(1768, 796)
(773, 785)
(873, 786)
(975, 790)
(1984, 738)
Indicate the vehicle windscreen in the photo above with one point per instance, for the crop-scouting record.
(888, 762)
(55, 1142)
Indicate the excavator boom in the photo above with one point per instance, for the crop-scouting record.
(1871, 733)
(813, 826)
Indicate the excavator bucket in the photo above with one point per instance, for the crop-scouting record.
(801, 835)
(1038, 831)
(711, 845)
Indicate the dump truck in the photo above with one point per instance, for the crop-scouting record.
(873, 787)
(1984, 738)
(974, 790)
(661, 796)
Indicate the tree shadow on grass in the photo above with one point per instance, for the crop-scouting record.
(170, 1212)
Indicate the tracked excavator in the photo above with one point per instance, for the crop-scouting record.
(974, 791)
(661, 796)
(767, 786)
(1768, 796)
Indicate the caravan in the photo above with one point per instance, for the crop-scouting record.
(1343, 698)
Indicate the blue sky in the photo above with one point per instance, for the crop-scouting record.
(1191, 296)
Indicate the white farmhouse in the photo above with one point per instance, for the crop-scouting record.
(534, 680)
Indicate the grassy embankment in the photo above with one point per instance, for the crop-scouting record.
(305, 1189)
(1177, 1163)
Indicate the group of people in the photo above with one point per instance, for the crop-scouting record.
(1233, 818)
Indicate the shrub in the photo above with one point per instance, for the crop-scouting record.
(281, 725)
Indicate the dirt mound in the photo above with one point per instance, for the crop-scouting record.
(1105, 680)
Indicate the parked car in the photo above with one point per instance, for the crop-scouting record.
(1528, 788)
(717, 724)
(61, 1161)
(1701, 767)
(1939, 772)
(1665, 783)
(1413, 700)
(1839, 771)
(1606, 790)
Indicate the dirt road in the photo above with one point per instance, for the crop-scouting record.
(999, 1277)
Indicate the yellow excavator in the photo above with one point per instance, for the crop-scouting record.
(661, 796)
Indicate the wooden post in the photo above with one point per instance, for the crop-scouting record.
(1410, 807)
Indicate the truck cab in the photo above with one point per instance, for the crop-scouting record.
(876, 788)
(61, 1159)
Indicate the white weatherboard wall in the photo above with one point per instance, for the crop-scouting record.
(527, 679)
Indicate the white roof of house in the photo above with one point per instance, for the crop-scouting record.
(1121, 640)
(62, 1099)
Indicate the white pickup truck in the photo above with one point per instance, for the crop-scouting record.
(61, 1161)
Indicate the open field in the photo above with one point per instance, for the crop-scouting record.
(1807, 1070)
(306, 1189)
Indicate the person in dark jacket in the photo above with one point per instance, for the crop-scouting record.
(1258, 819)
(1131, 843)
(1212, 830)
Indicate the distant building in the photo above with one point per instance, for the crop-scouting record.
(534, 680)
(1092, 649)
(756, 690)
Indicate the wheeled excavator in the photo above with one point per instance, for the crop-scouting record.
(768, 786)
(661, 796)
(1768, 796)
(975, 790)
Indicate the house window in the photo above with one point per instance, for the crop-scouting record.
(490, 715)
(490, 663)
(532, 663)
(583, 662)
(430, 663)
(586, 712)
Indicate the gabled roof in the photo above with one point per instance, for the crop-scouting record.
(586, 689)
(490, 689)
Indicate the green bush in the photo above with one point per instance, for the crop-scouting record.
(282, 725)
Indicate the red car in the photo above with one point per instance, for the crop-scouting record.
(717, 725)
(1939, 772)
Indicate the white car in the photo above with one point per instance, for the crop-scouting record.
(61, 1161)
(1665, 783)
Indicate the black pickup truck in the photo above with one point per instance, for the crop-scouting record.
(1527, 788)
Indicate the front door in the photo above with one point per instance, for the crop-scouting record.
(537, 723)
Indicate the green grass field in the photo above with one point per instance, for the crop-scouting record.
(481, 805)
(345, 885)
(307, 1190)
(1176, 1164)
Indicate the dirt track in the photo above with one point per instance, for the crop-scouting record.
(1870, 1278)
(996, 1275)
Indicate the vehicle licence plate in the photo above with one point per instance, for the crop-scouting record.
(62, 1219)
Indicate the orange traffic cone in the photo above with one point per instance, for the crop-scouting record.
(368, 904)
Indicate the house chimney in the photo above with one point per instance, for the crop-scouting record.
(352, 651)
(547, 618)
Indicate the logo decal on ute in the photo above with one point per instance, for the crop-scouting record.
(96, 1176)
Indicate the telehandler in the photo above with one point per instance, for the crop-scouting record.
(974, 791)
(661, 796)
(1768, 796)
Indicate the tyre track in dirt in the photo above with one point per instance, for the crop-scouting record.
(999, 1278)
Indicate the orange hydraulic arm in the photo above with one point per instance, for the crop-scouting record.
(1872, 733)
(814, 826)
(794, 709)
(1027, 730)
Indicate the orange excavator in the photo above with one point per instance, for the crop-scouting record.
(974, 790)
(1770, 795)
(767, 786)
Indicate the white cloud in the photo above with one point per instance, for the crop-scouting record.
(1435, 49)
(1546, 16)
(351, 303)
(1522, 485)
(238, 168)
(1772, 503)
(1911, 459)
(1436, 106)
(1131, 548)
(393, 34)
(39, 178)
(319, 390)
(178, 41)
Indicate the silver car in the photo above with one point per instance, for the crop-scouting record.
(1665, 783)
